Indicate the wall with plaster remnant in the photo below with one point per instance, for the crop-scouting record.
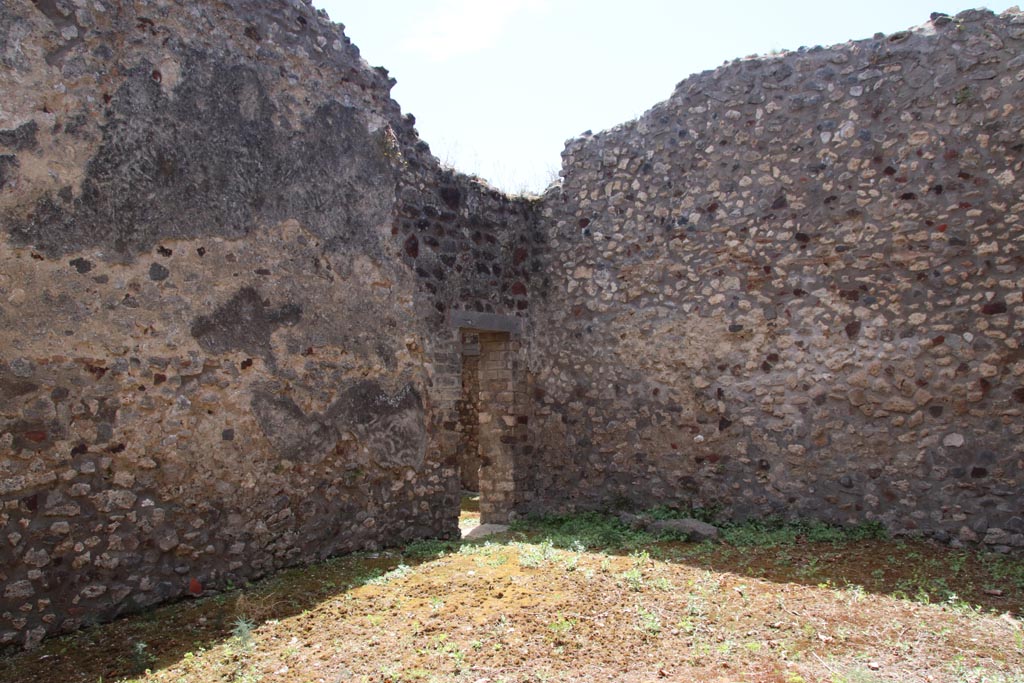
(795, 287)
(226, 265)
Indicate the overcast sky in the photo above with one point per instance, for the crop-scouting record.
(497, 86)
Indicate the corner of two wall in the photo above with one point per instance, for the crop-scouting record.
(237, 295)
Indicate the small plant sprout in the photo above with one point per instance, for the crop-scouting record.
(241, 631)
(561, 628)
(142, 658)
(634, 579)
(398, 572)
(649, 621)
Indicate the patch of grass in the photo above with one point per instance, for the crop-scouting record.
(485, 554)
(857, 675)
(925, 589)
(640, 558)
(663, 584)
(561, 626)
(368, 577)
(633, 579)
(773, 531)
(584, 531)
(428, 549)
(483, 548)
(597, 531)
(649, 621)
(1004, 568)
(142, 659)
(708, 514)
(398, 572)
(536, 555)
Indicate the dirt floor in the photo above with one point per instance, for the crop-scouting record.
(584, 599)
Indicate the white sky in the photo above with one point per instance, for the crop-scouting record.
(498, 86)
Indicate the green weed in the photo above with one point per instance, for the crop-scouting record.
(586, 530)
(707, 514)
(650, 622)
(561, 626)
(398, 572)
(241, 631)
(428, 549)
(536, 555)
(772, 531)
(142, 658)
(633, 578)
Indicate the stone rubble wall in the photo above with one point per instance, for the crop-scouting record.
(795, 288)
(216, 335)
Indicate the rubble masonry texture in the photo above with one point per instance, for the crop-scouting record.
(232, 279)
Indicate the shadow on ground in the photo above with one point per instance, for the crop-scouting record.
(127, 647)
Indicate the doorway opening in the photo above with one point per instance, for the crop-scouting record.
(490, 423)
